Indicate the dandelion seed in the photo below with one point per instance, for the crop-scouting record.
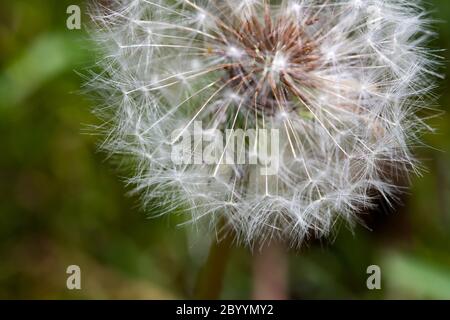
(343, 82)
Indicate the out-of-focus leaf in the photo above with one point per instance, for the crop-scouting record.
(416, 277)
(50, 55)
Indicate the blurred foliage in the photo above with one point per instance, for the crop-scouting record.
(61, 203)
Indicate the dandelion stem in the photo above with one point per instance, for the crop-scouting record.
(210, 279)
(270, 273)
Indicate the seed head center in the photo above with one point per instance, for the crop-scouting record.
(269, 61)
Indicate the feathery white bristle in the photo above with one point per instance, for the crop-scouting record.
(343, 81)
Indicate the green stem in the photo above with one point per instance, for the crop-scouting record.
(210, 279)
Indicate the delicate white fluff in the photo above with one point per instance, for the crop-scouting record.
(347, 121)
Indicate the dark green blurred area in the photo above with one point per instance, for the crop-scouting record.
(62, 203)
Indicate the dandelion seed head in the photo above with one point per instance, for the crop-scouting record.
(344, 83)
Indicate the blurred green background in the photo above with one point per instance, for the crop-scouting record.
(61, 203)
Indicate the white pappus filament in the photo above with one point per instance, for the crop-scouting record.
(344, 83)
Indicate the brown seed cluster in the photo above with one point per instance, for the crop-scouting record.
(276, 61)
